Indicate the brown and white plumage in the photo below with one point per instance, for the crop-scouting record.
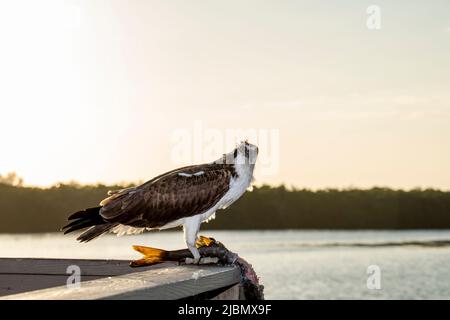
(186, 196)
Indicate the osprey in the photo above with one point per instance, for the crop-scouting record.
(184, 197)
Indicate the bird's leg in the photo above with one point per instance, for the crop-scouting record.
(195, 253)
(191, 228)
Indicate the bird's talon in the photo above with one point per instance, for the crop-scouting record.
(191, 261)
(208, 260)
(203, 241)
(201, 261)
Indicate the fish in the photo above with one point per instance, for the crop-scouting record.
(208, 248)
(212, 252)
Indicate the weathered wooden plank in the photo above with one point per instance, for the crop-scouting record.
(167, 282)
(26, 274)
(59, 266)
(17, 283)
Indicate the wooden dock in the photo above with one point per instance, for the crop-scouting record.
(42, 279)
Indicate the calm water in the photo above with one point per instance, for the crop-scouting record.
(292, 264)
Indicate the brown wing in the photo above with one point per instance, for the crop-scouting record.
(179, 193)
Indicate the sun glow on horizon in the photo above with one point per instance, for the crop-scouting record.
(93, 91)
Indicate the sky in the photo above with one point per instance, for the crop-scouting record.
(121, 91)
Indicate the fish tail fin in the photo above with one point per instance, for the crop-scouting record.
(151, 256)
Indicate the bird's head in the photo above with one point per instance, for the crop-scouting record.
(245, 153)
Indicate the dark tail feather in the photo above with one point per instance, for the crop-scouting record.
(86, 213)
(77, 225)
(95, 231)
(88, 218)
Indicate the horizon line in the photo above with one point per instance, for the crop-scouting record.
(289, 187)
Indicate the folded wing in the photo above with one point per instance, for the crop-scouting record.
(180, 193)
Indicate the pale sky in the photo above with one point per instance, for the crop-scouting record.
(99, 91)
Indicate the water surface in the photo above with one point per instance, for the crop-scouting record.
(292, 264)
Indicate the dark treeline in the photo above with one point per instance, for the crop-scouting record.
(25, 209)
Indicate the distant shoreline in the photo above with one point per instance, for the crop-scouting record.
(37, 210)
